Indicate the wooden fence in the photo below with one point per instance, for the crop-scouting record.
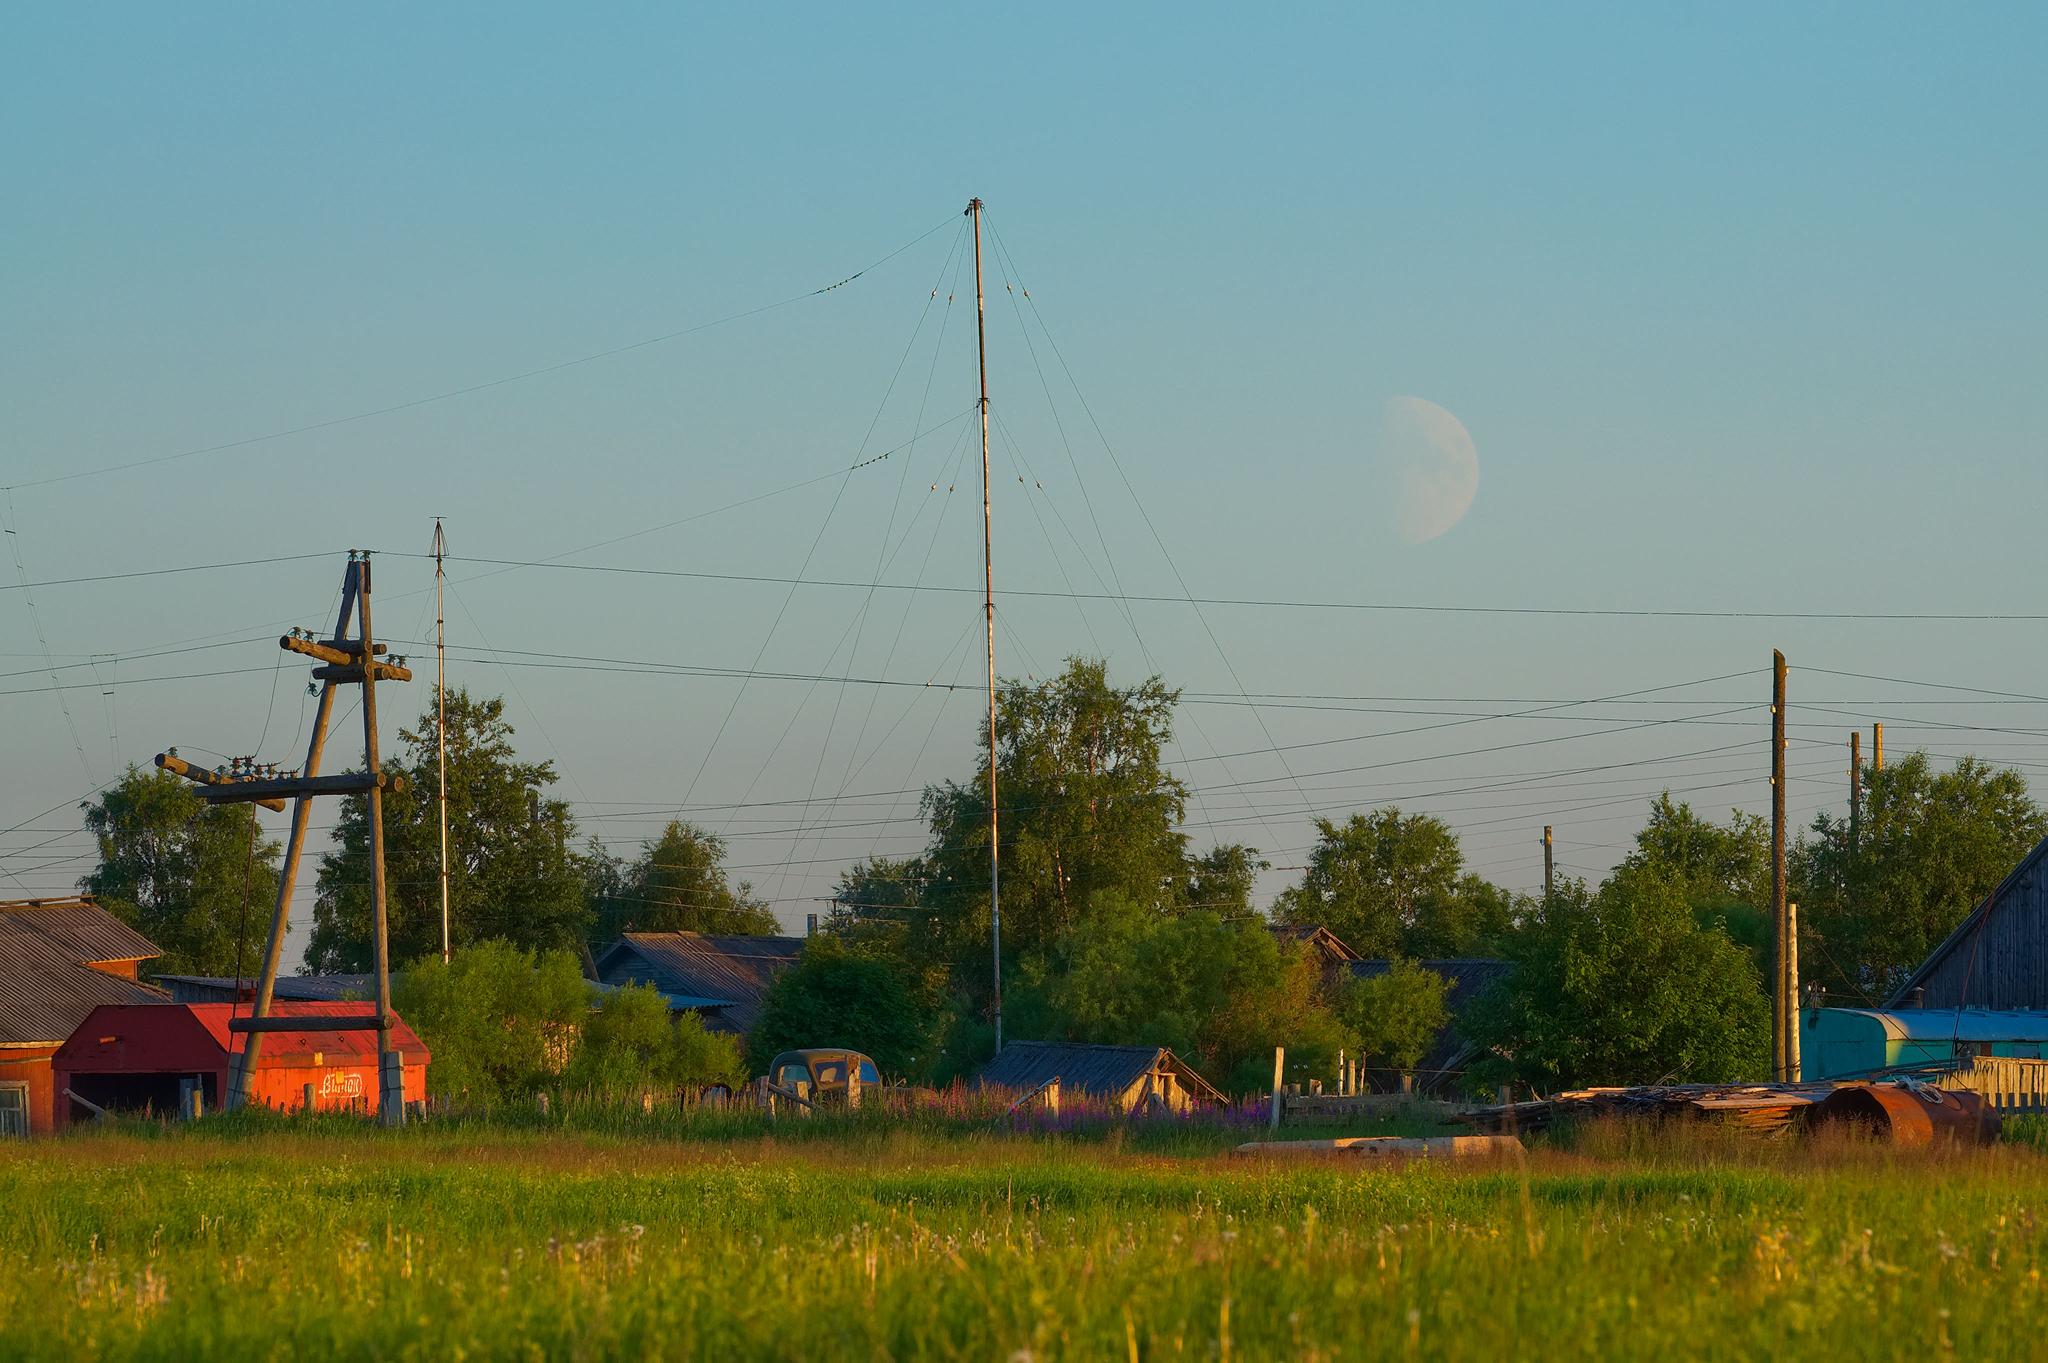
(2010, 1083)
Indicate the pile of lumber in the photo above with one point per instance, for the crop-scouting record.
(1753, 1107)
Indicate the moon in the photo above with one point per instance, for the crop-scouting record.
(1430, 467)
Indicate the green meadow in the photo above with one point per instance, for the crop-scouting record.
(857, 1239)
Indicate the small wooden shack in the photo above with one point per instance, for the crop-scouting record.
(154, 1057)
(1997, 958)
(60, 958)
(722, 977)
(1129, 1078)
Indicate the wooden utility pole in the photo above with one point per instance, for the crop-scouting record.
(1877, 747)
(1855, 788)
(441, 718)
(995, 899)
(1548, 864)
(345, 661)
(1783, 1016)
(1791, 992)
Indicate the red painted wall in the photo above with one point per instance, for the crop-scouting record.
(32, 1063)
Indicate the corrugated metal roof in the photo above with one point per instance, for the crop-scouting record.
(226, 989)
(1104, 1071)
(84, 929)
(728, 972)
(106, 1041)
(46, 989)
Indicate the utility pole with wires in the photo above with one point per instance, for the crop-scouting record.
(1784, 1003)
(1548, 865)
(441, 717)
(344, 661)
(995, 902)
(1877, 747)
(1855, 788)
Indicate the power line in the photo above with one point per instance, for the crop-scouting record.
(392, 408)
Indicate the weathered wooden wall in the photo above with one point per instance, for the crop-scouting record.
(2001, 959)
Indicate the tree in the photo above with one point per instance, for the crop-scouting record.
(499, 1019)
(1396, 1014)
(630, 1045)
(678, 885)
(833, 997)
(1087, 806)
(1930, 847)
(198, 880)
(1390, 884)
(1220, 993)
(511, 873)
(1621, 987)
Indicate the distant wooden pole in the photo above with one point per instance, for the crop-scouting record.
(441, 720)
(1548, 864)
(1855, 787)
(1782, 1016)
(1279, 1073)
(1877, 747)
(390, 1087)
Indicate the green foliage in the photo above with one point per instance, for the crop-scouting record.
(1390, 884)
(1930, 847)
(499, 1019)
(1396, 1014)
(1621, 987)
(1220, 994)
(1087, 806)
(677, 885)
(511, 873)
(835, 997)
(630, 1045)
(198, 880)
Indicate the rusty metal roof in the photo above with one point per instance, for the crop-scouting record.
(166, 1035)
(728, 973)
(46, 989)
(1104, 1071)
(83, 929)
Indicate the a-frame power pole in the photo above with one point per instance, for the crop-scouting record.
(344, 662)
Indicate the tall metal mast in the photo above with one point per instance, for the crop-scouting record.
(995, 902)
(441, 719)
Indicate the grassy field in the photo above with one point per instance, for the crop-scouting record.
(876, 1240)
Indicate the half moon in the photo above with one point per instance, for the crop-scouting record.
(1433, 468)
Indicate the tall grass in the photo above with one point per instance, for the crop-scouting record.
(854, 1236)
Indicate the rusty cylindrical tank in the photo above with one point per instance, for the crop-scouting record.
(1911, 1114)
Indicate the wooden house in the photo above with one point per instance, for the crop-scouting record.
(1997, 958)
(59, 960)
(1128, 1078)
(1467, 977)
(721, 977)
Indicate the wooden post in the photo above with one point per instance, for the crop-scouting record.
(1877, 747)
(1052, 1098)
(389, 1112)
(1792, 992)
(1783, 1015)
(1855, 788)
(1548, 864)
(242, 1069)
(852, 1083)
(306, 1103)
(1342, 1071)
(1279, 1071)
(988, 565)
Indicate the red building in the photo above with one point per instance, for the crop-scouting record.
(133, 1058)
(59, 959)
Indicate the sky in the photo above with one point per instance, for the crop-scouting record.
(1741, 311)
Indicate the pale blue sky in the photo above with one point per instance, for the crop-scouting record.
(1743, 310)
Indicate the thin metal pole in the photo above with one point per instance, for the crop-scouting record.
(1784, 1014)
(441, 719)
(389, 1112)
(995, 902)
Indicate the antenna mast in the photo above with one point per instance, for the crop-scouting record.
(441, 719)
(995, 902)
